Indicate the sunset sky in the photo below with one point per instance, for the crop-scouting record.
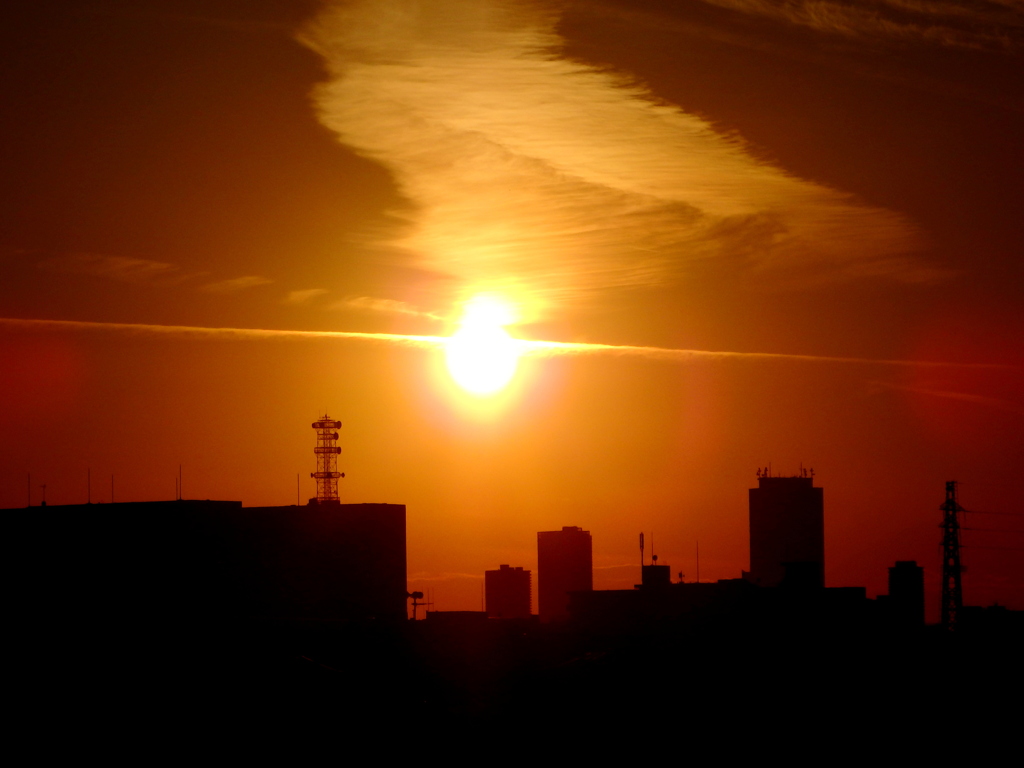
(761, 232)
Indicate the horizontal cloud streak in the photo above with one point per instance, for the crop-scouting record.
(533, 172)
(526, 347)
(142, 329)
(991, 24)
(235, 284)
(304, 296)
(384, 306)
(119, 268)
(989, 402)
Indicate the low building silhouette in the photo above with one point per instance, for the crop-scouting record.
(905, 602)
(184, 560)
(507, 593)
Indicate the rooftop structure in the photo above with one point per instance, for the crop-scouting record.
(326, 451)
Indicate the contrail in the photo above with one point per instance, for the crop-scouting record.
(223, 333)
(527, 347)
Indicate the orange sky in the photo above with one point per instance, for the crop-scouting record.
(701, 176)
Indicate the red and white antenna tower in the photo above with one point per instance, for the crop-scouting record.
(326, 460)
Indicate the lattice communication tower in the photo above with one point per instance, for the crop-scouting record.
(326, 460)
(952, 591)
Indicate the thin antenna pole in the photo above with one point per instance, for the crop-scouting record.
(641, 550)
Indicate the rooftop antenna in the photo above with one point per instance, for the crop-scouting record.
(952, 589)
(416, 598)
(642, 561)
(326, 452)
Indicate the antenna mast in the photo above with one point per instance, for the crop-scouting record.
(952, 590)
(326, 460)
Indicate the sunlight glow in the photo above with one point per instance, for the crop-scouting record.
(481, 356)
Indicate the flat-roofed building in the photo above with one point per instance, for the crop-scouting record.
(787, 532)
(507, 592)
(565, 563)
(195, 558)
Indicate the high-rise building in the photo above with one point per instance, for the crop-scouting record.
(787, 532)
(565, 563)
(507, 592)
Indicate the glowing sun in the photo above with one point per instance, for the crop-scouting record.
(481, 356)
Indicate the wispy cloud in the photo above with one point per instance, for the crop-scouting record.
(532, 172)
(118, 268)
(991, 24)
(983, 400)
(236, 284)
(305, 296)
(386, 306)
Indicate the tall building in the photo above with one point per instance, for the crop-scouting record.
(565, 563)
(507, 593)
(787, 532)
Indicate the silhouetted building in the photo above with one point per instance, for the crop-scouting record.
(906, 594)
(655, 576)
(659, 604)
(787, 533)
(458, 620)
(507, 593)
(195, 560)
(565, 563)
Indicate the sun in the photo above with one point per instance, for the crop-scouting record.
(481, 356)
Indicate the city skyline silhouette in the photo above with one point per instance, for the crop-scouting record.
(741, 277)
